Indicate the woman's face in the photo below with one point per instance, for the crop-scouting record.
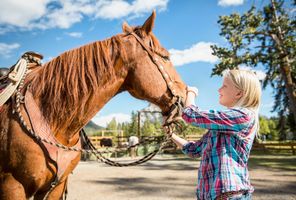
(229, 94)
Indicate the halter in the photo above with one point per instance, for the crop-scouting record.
(164, 74)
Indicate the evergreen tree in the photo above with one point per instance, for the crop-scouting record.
(148, 128)
(112, 125)
(133, 126)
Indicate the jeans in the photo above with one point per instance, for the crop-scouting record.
(247, 196)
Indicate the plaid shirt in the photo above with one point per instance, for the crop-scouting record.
(224, 149)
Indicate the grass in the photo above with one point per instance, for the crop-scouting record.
(279, 161)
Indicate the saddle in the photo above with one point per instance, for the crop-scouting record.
(11, 77)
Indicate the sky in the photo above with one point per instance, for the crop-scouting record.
(185, 28)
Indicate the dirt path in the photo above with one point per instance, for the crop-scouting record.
(166, 178)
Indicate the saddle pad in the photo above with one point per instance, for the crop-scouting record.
(40, 126)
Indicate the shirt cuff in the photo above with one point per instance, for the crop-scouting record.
(185, 148)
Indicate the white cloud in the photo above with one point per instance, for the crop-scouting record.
(121, 8)
(260, 74)
(230, 2)
(113, 9)
(21, 13)
(45, 14)
(200, 52)
(6, 49)
(104, 120)
(267, 105)
(75, 34)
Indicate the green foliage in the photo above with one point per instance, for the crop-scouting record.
(148, 128)
(91, 128)
(264, 126)
(133, 126)
(192, 130)
(272, 124)
(268, 128)
(112, 125)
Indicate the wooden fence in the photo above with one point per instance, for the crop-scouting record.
(121, 141)
(279, 146)
(264, 146)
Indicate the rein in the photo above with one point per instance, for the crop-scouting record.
(170, 124)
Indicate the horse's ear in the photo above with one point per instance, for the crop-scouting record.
(126, 28)
(149, 23)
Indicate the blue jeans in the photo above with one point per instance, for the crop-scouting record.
(247, 196)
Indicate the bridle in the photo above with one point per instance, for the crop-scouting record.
(177, 103)
(165, 75)
(170, 124)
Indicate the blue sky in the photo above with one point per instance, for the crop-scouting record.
(185, 28)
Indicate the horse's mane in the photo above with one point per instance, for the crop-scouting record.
(65, 84)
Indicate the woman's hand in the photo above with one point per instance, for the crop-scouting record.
(191, 94)
(193, 90)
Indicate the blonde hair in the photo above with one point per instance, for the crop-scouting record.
(247, 82)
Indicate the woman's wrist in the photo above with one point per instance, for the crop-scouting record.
(190, 99)
(191, 91)
(178, 140)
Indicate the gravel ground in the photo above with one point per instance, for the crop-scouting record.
(166, 178)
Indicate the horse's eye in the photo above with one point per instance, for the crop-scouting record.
(151, 44)
(166, 58)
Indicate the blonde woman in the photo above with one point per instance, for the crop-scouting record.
(225, 148)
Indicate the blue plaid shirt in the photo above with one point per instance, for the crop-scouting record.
(224, 149)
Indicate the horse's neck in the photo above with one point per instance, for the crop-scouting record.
(102, 95)
(99, 89)
(96, 102)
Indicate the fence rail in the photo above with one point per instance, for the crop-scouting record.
(265, 146)
(120, 141)
(282, 146)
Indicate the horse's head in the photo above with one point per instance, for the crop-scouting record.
(151, 75)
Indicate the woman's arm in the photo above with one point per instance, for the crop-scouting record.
(180, 142)
(223, 121)
(190, 148)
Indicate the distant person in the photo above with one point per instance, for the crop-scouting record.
(225, 148)
(133, 147)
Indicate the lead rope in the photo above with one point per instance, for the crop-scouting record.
(93, 150)
(133, 163)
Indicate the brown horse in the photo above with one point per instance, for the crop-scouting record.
(70, 90)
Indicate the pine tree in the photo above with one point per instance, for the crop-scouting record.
(112, 125)
(133, 126)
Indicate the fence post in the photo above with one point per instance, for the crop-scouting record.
(293, 150)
